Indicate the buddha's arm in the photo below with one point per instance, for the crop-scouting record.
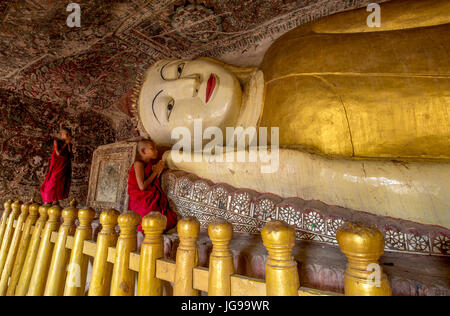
(413, 191)
(395, 15)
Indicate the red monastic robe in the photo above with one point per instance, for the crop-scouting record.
(56, 185)
(152, 199)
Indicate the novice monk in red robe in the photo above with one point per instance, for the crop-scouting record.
(56, 185)
(144, 187)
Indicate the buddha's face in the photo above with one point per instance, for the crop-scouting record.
(175, 92)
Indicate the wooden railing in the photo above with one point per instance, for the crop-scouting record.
(38, 256)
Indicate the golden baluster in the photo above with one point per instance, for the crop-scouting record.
(5, 215)
(363, 245)
(23, 248)
(11, 257)
(281, 270)
(60, 258)
(43, 257)
(102, 269)
(6, 205)
(152, 249)
(9, 231)
(123, 279)
(78, 264)
(187, 257)
(221, 260)
(30, 259)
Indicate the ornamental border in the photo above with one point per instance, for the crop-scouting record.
(248, 211)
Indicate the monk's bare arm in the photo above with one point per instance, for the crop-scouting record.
(140, 176)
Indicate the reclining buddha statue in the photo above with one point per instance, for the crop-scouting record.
(363, 112)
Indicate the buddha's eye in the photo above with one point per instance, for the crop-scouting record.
(169, 108)
(180, 69)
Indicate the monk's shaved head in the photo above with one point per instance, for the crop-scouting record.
(146, 150)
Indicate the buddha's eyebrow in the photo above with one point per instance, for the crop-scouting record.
(162, 68)
(153, 105)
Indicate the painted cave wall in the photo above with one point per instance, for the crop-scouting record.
(27, 129)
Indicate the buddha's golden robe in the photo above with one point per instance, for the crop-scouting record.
(340, 88)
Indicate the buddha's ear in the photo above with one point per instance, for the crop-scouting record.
(243, 74)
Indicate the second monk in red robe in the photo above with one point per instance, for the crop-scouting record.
(144, 187)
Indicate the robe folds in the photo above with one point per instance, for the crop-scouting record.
(152, 199)
(56, 185)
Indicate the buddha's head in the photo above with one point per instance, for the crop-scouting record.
(174, 92)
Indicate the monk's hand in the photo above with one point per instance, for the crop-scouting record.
(159, 167)
(156, 166)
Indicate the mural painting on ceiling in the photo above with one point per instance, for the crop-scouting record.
(32, 32)
(186, 29)
(96, 79)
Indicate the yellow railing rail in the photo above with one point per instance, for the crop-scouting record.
(55, 261)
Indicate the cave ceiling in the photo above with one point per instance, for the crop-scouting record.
(95, 66)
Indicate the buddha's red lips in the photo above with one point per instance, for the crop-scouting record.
(210, 87)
